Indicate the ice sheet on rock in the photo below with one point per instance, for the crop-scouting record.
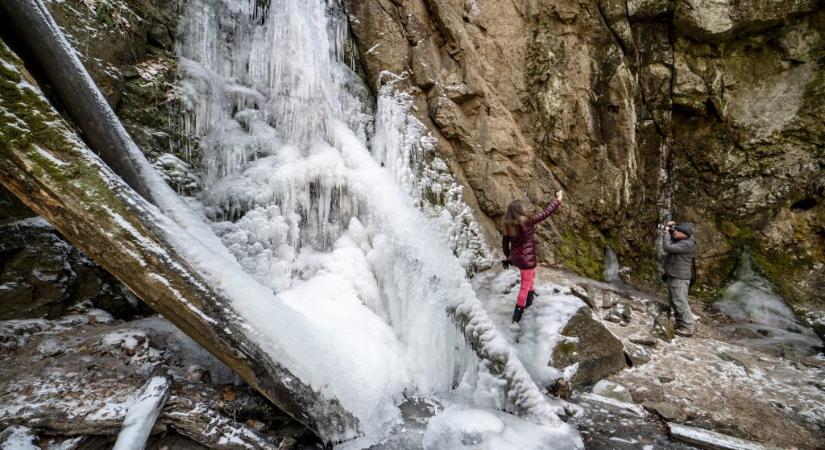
(753, 301)
(632, 407)
(466, 427)
(540, 328)
(403, 146)
(611, 265)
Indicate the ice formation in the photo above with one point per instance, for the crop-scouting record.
(365, 252)
(753, 301)
(611, 266)
(19, 438)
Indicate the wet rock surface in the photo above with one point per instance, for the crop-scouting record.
(43, 275)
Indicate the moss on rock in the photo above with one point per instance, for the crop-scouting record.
(582, 254)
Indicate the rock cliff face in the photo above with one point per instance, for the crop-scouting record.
(704, 111)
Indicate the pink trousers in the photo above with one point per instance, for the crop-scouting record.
(527, 278)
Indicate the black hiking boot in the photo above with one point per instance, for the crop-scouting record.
(517, 314)
(530, 296)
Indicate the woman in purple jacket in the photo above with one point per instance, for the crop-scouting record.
(520, 248)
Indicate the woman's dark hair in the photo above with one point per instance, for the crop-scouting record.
(515, 221)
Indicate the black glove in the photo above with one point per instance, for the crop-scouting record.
(505, 263)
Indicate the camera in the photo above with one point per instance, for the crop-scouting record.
(669, 228)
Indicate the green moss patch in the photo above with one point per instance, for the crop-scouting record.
(583, 255)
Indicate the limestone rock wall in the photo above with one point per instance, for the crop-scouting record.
(699, 110)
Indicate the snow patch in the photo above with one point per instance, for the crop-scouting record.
(466, 427)
(18, 438)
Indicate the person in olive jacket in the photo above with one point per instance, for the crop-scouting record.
(520, 248)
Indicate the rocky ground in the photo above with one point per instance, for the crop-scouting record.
(724, 378)
(75, 377)
(594, 344)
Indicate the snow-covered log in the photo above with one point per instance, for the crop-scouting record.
(44, 164)
(143, 413)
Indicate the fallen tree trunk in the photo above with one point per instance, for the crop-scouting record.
(711, 439)
(214, 430)
(44, 164)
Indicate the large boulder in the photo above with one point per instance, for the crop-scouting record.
(719, 19)
(594, 348)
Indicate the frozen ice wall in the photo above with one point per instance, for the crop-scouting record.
(299, 201)
(753, 301)
(611, 265)
(402, 144)
(263, 92)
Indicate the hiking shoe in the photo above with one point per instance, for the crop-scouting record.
(530, 296)
(517, 314)
(684, 332)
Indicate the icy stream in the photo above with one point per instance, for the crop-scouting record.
(339, 211)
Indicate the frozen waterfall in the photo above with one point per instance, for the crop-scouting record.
(369, 249)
